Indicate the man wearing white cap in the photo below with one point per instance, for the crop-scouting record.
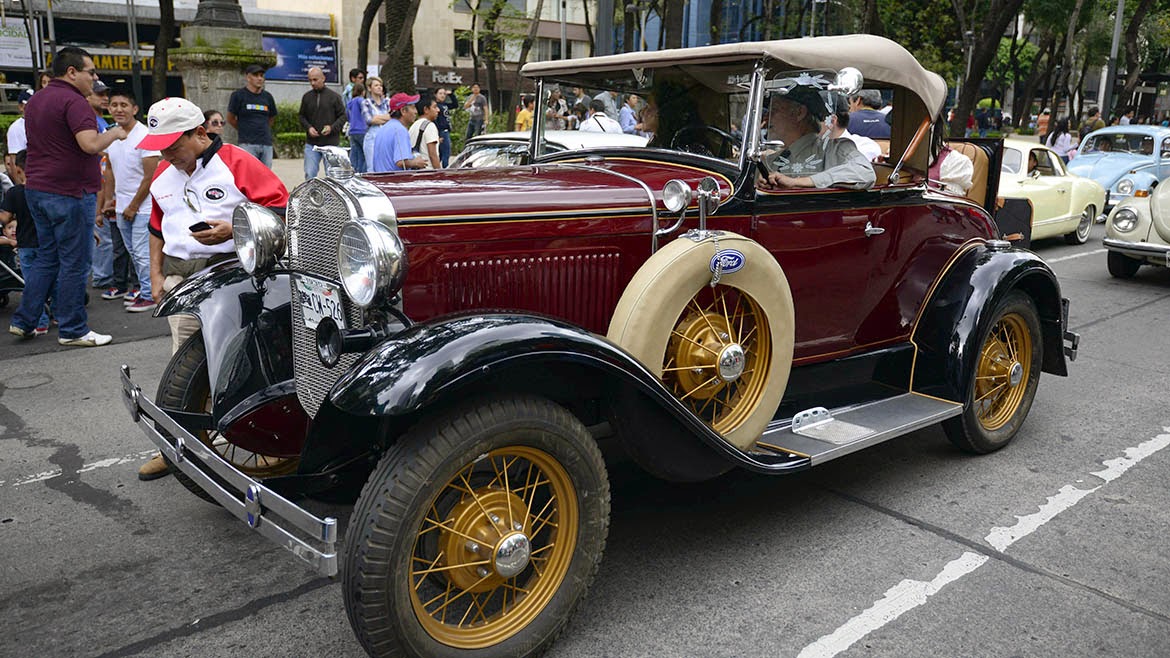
(17, 140)
(195, 189)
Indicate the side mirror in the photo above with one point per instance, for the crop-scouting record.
(849, 81)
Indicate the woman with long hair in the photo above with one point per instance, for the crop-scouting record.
(375, 112)
(213, 122)
(1060, 140)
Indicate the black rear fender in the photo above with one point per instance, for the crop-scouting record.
(956, 316)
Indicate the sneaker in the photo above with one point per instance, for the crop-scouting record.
(92, 339)
(113, 293)
(23, 333)
(41, 331)
(154, 469)
(141, 304)
(131, 297)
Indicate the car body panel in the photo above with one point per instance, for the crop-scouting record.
(1149, 239)
(1058, 196)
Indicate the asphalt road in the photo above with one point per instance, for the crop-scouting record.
(1055, 546)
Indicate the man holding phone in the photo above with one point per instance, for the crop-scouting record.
(195, 189)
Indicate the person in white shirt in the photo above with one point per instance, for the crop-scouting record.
(17, 140)
(838, 124)
(424, 134)
(598, 121)
(129, 176)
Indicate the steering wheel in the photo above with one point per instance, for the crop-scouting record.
(694, 139)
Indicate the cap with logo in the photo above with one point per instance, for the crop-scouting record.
(167, 120)
(401, 100)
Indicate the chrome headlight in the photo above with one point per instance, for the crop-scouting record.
(259, 236)
(676, 195)
(1125, 187)
(1125, 220)
(371, 261)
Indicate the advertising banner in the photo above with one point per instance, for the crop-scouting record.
(14, 50)
(296, 55)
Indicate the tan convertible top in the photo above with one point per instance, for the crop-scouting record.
(881, 61)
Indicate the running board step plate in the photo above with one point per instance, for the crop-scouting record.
(821, 435)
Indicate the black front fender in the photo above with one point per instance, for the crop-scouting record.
(440, 361)
(948, 337)
(246, 330)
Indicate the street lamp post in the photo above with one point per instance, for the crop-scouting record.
(1111, 74)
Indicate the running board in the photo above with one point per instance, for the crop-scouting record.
(821, 435)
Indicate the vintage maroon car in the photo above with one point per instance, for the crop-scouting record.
(459, 341)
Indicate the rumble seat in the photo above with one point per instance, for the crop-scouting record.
(978, 191)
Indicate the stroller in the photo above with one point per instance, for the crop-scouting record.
(10, 279)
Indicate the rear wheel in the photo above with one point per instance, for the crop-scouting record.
(1084, 227)
(1004, 380)
(1122, 266)
(478, 534)
(184, 386)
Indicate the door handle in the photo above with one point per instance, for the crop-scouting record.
(871, 230)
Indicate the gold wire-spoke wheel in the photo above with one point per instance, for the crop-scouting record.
(717, 359)
(1001, 378)
(494, 547)
(251, 463)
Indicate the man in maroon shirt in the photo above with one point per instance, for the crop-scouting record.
(63, 177)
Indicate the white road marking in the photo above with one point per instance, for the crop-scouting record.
(1086, 253)
(910, 594)
(101, 463)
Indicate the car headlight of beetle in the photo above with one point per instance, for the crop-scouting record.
(676, 195)
(1125, 187)
(1125, 220)
(371, 261)
(259, 237)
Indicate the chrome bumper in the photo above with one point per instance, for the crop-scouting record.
(264, 510)
(1139, 249)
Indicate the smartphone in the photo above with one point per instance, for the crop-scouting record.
(199, 226)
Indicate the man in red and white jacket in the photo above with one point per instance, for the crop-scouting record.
(200, 181)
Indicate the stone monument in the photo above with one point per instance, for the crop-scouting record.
(216, 47)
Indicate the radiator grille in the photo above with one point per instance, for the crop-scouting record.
(315, 216)
(579, 287)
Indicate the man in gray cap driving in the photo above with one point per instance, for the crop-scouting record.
(808, 160)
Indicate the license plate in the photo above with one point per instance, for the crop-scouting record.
(319, 300)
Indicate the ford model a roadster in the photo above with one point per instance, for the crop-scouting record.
(459, 341)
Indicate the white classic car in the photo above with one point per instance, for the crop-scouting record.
(1138, 232)
(1062, 202)
(508, 149)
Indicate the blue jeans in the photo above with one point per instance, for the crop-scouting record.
(368, 146)
(263, 152)
(136, 236)
(28, 259)
(312, 162)
(444, 147)
(103, 255)
(65, 232)
(357, 155)
(474, 127)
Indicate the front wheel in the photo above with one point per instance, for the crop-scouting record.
(1004, 380)
(185, 387)
(478, 534)
(1122, 266)
(1084, 227)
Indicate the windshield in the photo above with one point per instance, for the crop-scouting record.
(691, 109)
(1121, 143)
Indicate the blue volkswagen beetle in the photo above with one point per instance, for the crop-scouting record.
(1123, 159)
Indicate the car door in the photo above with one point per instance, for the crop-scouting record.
(1048, 186)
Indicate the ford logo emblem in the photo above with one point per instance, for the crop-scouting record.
(727, 261)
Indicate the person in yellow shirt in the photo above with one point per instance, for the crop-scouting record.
(524, 117)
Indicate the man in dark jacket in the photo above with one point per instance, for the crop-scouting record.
(322, 116)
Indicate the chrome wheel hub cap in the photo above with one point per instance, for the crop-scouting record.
(511, 555)
(731, 362)
(1016, 374)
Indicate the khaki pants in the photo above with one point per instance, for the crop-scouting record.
(183, 326)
